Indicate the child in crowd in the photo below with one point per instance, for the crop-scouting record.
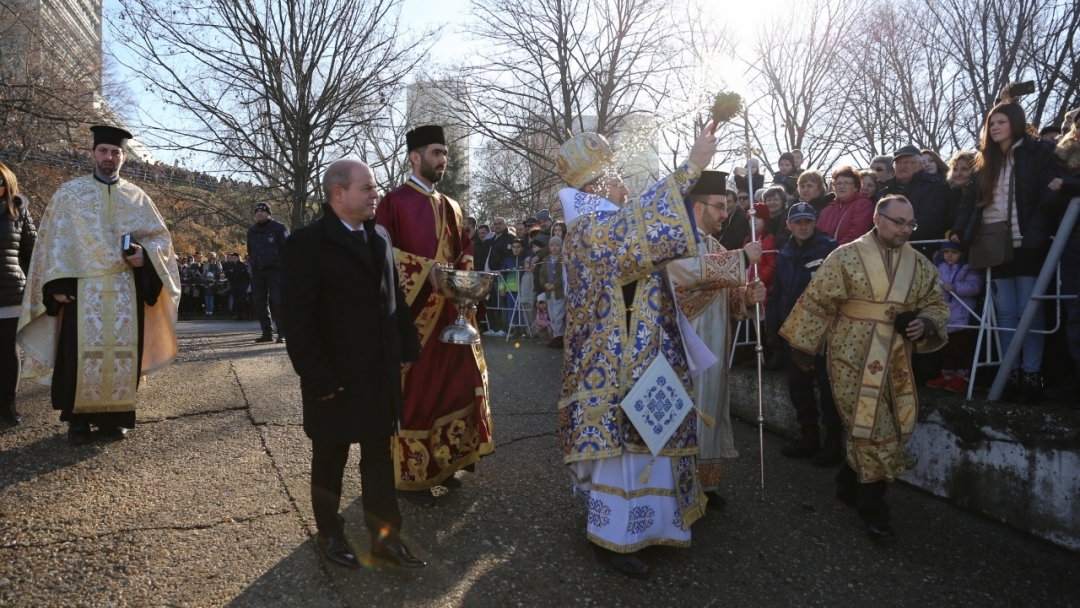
(510, 283)
(786, 175)
(960, 284)
(551, 278)
(542, 323)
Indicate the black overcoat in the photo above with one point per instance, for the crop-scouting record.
(348, 326)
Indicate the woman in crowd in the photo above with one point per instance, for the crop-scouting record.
(559, 229)
(17, 236)
(932, 163)
(775, 199)
(812, 190)
(850, 215)
(869, 186)
(959, 176)
(1013, 172)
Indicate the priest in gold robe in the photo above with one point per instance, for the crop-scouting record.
(99, 312)
(447, 424)
(711, 290)
(872, 303)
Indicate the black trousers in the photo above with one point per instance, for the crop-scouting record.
(266, 294)
(10, 364)
(801, 391)
(869, 497)
(381, 514)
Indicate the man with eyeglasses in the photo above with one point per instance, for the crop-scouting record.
(447, 422)
(871, 304)
(711, 289)
(882, 167)
(928, 194)
(734, 230)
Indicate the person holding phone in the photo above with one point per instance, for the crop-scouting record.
(84, 275)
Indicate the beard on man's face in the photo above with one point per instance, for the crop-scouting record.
(432, 173)
(107, 168)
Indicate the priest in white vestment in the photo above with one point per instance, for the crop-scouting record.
(99, 308)
(711, 289)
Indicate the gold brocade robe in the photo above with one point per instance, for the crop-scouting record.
(847, 311)
(710, 290)
(80, 237)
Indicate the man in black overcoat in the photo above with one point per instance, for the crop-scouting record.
(349, 332)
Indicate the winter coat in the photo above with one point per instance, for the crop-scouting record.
(742, 182)
(17, 238)
(766, 264)
(551, 273)
(789, 182)
(795, 266)
(966, 284)
(264, 245)
(1037, 208)
(733, 230)
(349, 327)
(496, 249)
(929, 196)
(510, 277)
(845, 221)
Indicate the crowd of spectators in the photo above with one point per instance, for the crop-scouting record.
(209, 286)
(134, 169)
(1030, 176)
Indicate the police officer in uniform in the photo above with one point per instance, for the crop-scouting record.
(264, 242)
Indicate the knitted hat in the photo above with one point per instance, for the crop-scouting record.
(761, 211)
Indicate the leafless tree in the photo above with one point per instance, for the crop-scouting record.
(272, 89)
(796, 67)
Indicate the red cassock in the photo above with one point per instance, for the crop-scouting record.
(447, 419)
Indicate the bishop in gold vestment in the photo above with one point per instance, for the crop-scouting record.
(113, 321)
(849, 312)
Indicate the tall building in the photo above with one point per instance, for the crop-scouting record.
(445, 102)
(64, 35)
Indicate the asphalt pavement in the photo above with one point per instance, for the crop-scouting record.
(207, 503)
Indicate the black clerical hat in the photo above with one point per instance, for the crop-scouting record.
(711, 182)
(424, 136)
(114, 136)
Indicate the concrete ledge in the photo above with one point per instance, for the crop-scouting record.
(1016, 464)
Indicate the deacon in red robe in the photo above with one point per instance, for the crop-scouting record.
(447, 419)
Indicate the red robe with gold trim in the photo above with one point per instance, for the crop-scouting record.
(447, 420)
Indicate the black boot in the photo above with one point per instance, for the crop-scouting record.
(78, 433)
(8, 413)
(832, 452)
(265, 338)
(1030, 388)
(807, 446)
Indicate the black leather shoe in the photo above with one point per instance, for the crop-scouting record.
(451, 483)
(338, 551)
(116, 432)
(281, 339)
(629, 564)
(807, 446)
(265, 338)
(716, 501)
(392, 553)
(881, 532)
(8, 413)
(78, 434)
(420, 498)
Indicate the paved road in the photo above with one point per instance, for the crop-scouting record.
(207, 504)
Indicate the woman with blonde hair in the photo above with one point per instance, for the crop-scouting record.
(961, 166)
(17, 236)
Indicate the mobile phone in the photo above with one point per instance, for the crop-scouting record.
(1022, 88)
(125, 245)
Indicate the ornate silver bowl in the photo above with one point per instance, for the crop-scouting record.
(464, 288)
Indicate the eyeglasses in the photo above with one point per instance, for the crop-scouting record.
(879, 169)
(744, 197)
(901, 225)
(717, 205)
